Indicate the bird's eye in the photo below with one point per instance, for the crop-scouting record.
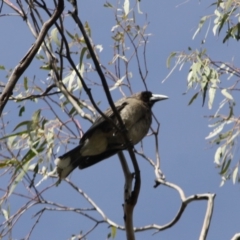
(146, 96)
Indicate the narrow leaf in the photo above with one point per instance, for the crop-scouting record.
(228, 4)
(54, 36)
(69, 34)
(211, 95)
(114, 232)
(230, 113)
(205, 92)
(222, 22)
(172, 54)
(235, 175)
(233, 137)
(25, 83)
(219, 154)
(216, 131)
(82, 55)
(87, 29)
(201, 22)
(193, 98)
(5, 214)
(22, 124)
(107, 4)
(14, 134)
(126, 7)
(226, 94)
(225, 167)
(19, 178)
(21, 111)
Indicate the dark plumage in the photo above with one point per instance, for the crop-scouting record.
(103, 140)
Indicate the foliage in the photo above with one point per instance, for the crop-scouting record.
(49, 105)
(208, 77)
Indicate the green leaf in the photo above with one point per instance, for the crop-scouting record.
(200, 25)
(18, 178)
(172, 54)
(222, 22)
(82, 55)
(36, 116)
(216, 130)
(118, 37)
(193, 98)
(25, 83)
(46, 67)
(235, 175)
(54, 36)
(5, 214)
(219, 154)
(35, 170)
(113, 232)
(190, 75)
(226, 94)
(228, 4)
(211, 95)
(126, 7)
(230, 140)
(22, 124)
(33, 152)
(222, 137)
(225, 167)
(230, 113)
(72, 112)
(204, 86)
(87, 29)
(107, 4)
(40, 57)
(44, 121)
(14, 134)
(193, 74)
(2, 67)
(21, 111)
(70, 35)
(8, 163)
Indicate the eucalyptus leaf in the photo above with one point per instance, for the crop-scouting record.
(226, 94)
(235, 175)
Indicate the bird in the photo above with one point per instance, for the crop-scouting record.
(104, 139)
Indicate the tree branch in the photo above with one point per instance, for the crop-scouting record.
(27, 59)
(127, 208)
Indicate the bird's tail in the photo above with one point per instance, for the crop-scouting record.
(73, 159)
(68, 162)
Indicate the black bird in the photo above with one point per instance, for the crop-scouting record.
(103, 140)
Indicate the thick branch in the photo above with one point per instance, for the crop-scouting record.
(127, 208)
(185, 201)
(25, 62)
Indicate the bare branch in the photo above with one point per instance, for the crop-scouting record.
(27, 59)
(103, 215)
(128, 208)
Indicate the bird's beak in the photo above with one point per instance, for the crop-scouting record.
(157, 97)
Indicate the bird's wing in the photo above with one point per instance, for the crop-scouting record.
(91, 160)
(101, 122)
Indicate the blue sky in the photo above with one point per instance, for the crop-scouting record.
(186, 157)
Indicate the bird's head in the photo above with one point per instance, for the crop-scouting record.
(150, 98)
